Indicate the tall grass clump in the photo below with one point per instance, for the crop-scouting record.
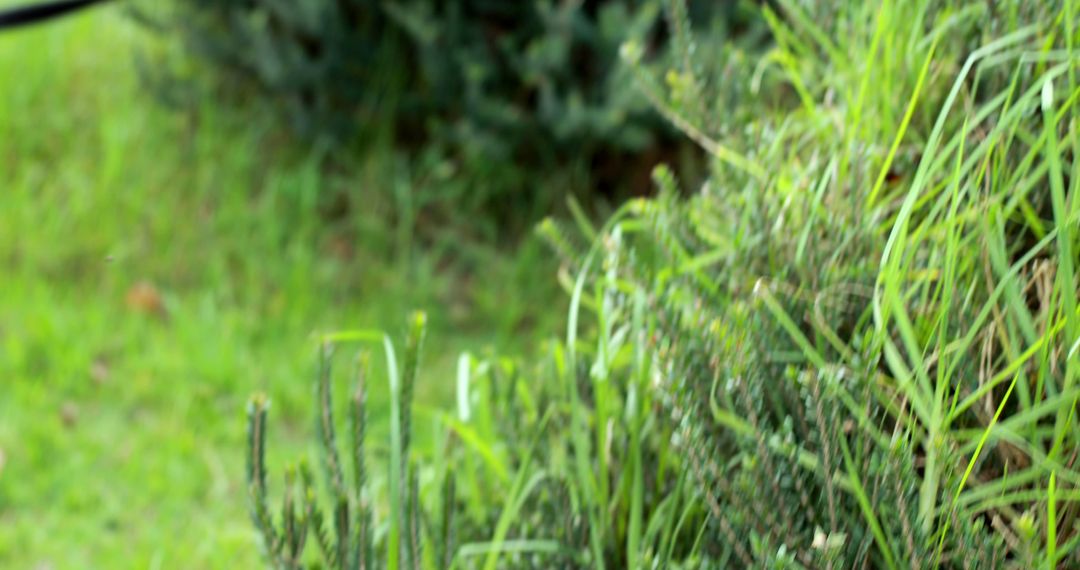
(855, 345)
(521, 103)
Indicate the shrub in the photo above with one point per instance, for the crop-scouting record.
(508, 92)
(344, 533)
(825, 301)
(316, 61)
(541, 71)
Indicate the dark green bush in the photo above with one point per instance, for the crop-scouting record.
(319, 62)
(529, 73)
(509, 91)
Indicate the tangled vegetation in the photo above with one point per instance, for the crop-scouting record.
(854, 346)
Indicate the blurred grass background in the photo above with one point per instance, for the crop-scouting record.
(157, 267)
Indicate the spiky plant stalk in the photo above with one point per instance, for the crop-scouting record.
(362, 558)
(449, 496)
(344, 532)
(335, 479)
(413, 343)
(294, 523)
(284, 547)
(256, 474)
(315, 514)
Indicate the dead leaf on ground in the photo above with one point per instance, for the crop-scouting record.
(341, 248)
(143, 297)
(99, 371)
(69, 414)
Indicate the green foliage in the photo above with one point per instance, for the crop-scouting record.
(502, 92)
(854, 346)
(318, 61)
(832, 316)
(344, 532)
(519, 76)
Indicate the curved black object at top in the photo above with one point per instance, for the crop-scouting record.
(22, 15)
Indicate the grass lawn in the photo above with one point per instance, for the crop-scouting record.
(158, 267)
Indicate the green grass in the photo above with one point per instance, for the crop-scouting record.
(121, 427)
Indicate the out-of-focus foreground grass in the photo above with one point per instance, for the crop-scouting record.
(156, 268)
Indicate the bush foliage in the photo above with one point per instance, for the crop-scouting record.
(508, 90)
(854, 346)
